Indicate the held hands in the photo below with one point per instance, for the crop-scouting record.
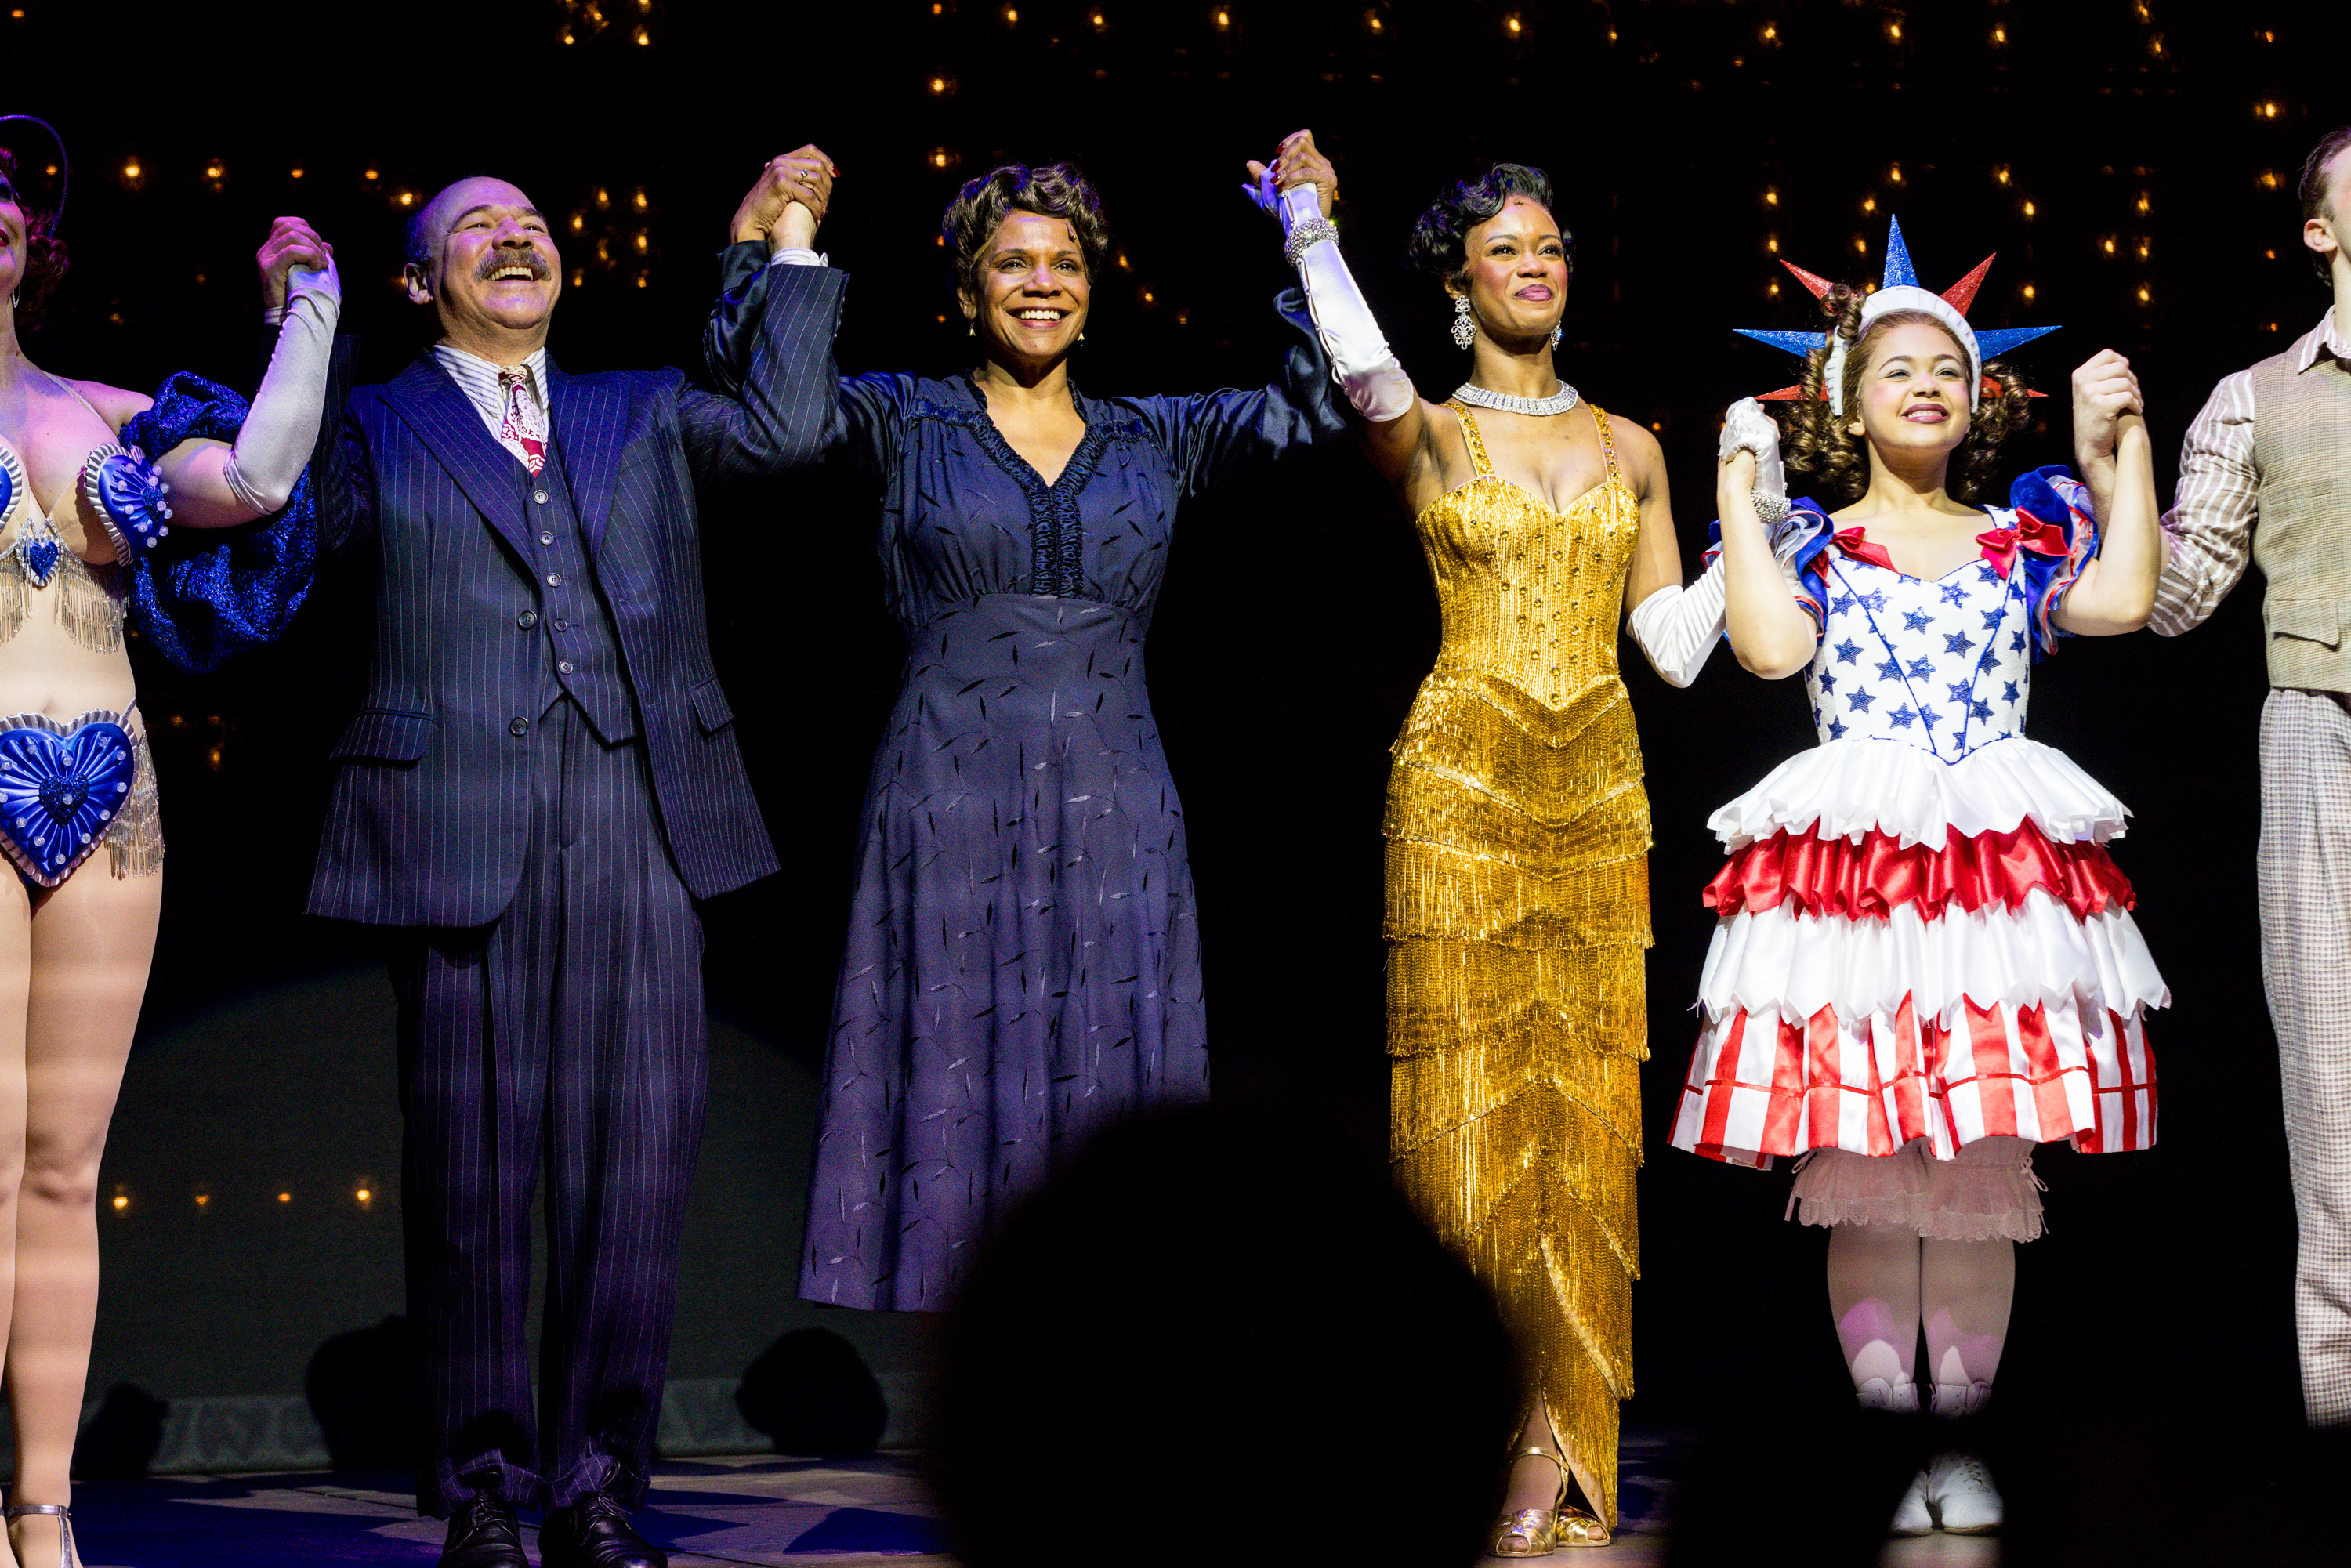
(1296, 163)
(293, 244)
(1750, 456)
(789, 202)
(2106, 394)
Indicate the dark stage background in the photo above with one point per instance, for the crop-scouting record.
(2132, 166)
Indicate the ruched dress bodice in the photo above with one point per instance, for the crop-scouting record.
(1518, 835)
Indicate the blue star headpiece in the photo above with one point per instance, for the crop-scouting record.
(1899, 291)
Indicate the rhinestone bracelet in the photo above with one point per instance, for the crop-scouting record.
(1307, 235)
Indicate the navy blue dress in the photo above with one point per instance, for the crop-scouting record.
(1022, 965)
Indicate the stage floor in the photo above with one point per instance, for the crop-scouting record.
(838, 1513)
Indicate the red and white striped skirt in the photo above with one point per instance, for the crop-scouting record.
(1966, 978)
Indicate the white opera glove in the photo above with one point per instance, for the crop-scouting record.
(1747, 428)
(1677, 627)
(274, 444)
(1361, 360)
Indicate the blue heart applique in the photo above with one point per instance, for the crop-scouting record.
(128, 489)
(40, 558)
(57, 793)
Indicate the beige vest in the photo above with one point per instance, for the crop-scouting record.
(2302, 449)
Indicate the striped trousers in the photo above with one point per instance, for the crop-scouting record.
(568, 1034)
(2305, 876)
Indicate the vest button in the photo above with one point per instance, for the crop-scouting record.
(518, 727)
(540, 495)
(527, 620)
(545, 537)
(564, 665)
(554, 580)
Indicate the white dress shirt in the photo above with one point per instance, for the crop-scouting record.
(477, 378)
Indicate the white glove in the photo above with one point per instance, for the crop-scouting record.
(1361, 360)
(1747, 428)
(280, 428)
(1677, 628)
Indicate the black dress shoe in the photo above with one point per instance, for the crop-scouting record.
(594, 1534)
(482, 1534)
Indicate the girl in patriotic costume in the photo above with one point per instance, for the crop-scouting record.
(1924, 963)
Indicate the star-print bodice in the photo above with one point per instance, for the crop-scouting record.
(1944, 664)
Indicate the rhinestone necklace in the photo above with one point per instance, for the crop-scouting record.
(1559, 402)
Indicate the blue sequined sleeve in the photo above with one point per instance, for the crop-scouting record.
(205, 595)
(1800, 541)
(2061, 503)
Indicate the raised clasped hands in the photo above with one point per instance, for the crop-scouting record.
(2105, 392)
(292, 242)
(1750, 453)
(1297, 162)
(788, 202)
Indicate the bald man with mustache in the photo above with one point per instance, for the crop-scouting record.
(541, 786)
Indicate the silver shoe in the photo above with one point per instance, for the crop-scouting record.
(67, 1556)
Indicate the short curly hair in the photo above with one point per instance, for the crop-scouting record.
(1820, 443)
(1050, 190)
(45, 253)
(1440, 239)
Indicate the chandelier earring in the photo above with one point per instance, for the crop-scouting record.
(1465, 326)
(1556, 334)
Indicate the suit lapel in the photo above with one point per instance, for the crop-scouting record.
(589, 420)
(451, 428)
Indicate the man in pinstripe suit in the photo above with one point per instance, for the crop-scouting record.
(542, 783)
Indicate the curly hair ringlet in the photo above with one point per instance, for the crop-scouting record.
(1049, 190)
(44, 255)
(1440, 237)
(1819, 441)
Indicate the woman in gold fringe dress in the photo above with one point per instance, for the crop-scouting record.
(1517, 829)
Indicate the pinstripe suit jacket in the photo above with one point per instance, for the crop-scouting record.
(432, 794)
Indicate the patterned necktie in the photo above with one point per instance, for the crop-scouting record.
(519, 429)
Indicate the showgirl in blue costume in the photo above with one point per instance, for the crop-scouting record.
(102, 496)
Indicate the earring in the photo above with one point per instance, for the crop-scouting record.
(1464, 327)
(1556, 334)
(971, 329)
(1082, 334)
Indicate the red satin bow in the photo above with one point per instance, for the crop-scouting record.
(1855, 542)
(2000, 545)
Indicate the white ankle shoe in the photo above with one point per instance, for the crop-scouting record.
(1912, 1518)
(1960, 1491)
(1877, 1394)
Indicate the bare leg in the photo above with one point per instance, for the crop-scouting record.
(1534, 1482)
(15, 972)
(92, 941)
(1968, 1288)
(1873, 1289)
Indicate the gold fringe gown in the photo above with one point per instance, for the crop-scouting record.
(1518, 909)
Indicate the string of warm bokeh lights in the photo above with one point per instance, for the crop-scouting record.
(361, 1196)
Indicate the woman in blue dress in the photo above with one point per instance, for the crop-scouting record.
(1022, 965)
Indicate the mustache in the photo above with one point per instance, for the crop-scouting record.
(524, 255)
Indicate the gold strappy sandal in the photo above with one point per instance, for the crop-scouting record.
(1540, 1531)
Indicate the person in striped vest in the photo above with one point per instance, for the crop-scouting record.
(2265, 476)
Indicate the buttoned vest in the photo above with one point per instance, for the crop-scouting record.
(584, 656)
(2301, 537)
